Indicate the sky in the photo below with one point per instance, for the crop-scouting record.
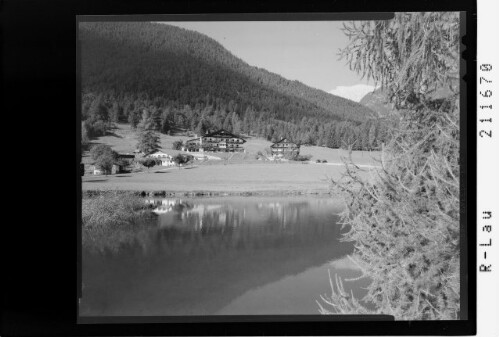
(306, 51)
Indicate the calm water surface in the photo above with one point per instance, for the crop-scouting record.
(222, 256)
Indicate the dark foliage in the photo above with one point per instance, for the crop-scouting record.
(148, 142)
(300, 157)
(150, 162)
(181, 159)
(104, 157)
(177, 145)
(404, 219)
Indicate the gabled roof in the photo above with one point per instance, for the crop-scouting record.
(126, 155)
(223, 133)
(158, 151)
(191, 140)
(284, 140)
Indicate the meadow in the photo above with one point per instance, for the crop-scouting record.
(239, 172)
(305, 178)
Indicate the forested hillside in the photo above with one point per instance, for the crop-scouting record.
(170, 78)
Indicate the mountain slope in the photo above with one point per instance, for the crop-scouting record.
(376, 101)
(174, 64)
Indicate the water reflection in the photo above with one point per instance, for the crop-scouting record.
(190, 215)
(204, 253)
(296, 293)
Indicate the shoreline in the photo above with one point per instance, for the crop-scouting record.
(164, 193)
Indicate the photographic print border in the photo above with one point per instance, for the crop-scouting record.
(43, 287)
(307, 319)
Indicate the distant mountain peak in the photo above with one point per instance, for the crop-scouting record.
(353, 92)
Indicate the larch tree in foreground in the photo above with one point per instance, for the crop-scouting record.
(404, 217)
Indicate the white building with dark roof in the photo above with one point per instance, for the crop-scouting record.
(218, 141)
(166, 159)
(284, 147)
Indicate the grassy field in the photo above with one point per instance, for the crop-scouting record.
(339, 155)
(306, 178)
(241, 173)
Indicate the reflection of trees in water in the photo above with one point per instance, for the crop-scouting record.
(201, 271)
(194, 228)
(247, 228)
(170, 205)
(210, 216)
(182, 207)
(189, 267)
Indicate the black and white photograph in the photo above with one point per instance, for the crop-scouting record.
(267, 167)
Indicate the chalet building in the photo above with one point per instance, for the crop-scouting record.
(115, 169)
(166, 159)
(218, 141)
(123, 161)
(97, 170)
(284, 148)
(126, 158)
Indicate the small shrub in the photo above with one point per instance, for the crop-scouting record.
(177, 145)
(104, 157)
(110, 208)
(181, 159)
(302, 157)
(259, 155)
(95, 128)
(111, 219)
(150, 162)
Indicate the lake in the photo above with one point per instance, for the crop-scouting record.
(222, 256)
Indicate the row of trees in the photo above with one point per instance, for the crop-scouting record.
(100, 111)
(171, 79)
